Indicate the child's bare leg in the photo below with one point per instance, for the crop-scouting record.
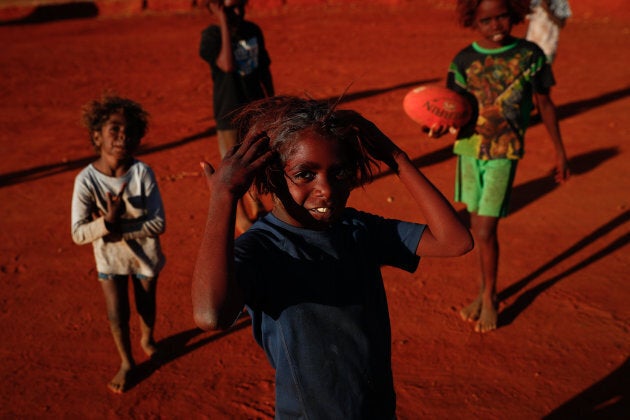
(145, 297)
(484, 230)
(117, 302)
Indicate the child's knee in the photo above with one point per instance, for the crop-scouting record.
(485, 232)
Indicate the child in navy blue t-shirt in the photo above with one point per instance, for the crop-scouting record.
(309, 271)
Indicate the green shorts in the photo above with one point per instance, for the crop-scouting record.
(485, 185)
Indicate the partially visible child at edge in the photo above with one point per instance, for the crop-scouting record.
(116, 205)
(235, 50)
(546, 20)
(309, 271)
(501, 75)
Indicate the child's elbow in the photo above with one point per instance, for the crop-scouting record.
(465, 245)
(206, 321)
(78, 238)
(211, 321)
(458, 245)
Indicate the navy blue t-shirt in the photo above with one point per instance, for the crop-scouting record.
(319, 311)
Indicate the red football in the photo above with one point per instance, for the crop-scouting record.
(434, 105)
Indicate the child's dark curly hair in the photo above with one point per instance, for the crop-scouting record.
(466, 9)
(284, 118)
(207, 2)
(97, 112)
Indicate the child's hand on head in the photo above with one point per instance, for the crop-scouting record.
(377, 144)
(239, 165)
(217, 8)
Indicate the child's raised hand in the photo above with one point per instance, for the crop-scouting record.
(115, 207)
(217, 9)
(208, 171)
(236, 170)
(377, 144)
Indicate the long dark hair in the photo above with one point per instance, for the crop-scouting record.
(284, 118)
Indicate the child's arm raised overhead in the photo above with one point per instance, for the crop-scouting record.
(217, 298)
(445, 235)
(225, 59)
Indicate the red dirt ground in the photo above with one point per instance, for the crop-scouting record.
(563, 344)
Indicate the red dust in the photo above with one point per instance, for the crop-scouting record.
(562, 344)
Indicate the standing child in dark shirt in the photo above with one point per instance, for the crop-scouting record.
(239, 64)
(309, 271)
(502, 75)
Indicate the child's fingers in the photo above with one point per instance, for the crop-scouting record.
(97, 214)
(437, 130)
(260, 160)
(240, 164)
(253, 148)
(255, 139)
(207, 169)
(241, 148)
(109, 198)
(122, 190)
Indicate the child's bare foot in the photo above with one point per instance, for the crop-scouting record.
(118, 383)
(149, 347)
(472, 311)
(487, 319)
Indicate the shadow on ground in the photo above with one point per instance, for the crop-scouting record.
(178, 345)
(606, 399)
(54, 12)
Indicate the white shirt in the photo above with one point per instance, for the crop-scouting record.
(136, 250)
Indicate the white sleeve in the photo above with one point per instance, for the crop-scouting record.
(153, 223)
(84, 228)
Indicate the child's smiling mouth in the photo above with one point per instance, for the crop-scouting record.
(321, 210)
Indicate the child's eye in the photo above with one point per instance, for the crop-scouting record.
(343, 174)
(305, 175)
(301, 177)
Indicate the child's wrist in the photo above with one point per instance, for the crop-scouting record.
(112, 227)
(223, 193)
